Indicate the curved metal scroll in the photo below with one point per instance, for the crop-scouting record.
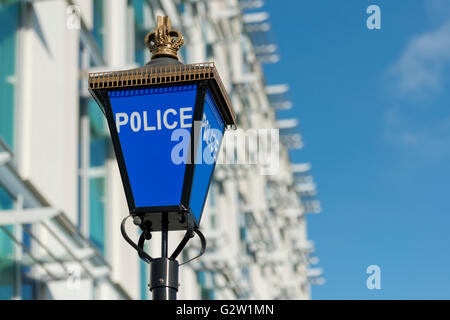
(190, 233)
(138, 248)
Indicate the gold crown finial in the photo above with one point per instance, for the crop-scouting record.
(164, 41)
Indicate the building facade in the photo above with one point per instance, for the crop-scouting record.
(61, 196)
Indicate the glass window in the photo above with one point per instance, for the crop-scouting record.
(139, 31)
(206, 281)
(209, 51)
(98, 151)
(7, 266)
(98, 145)
(142, 25)
(97, 119)
(28, 285)
(9, 17)
(96, 210)
(99, 23)
(93, 172)
(138, 6)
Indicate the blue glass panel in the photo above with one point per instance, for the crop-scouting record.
(138, 6)
(6, 245)
(182, 7)
(98, 31)
(205, 286)
(140, 29)
(147, 121)
(28, 285)
(10, 22)
(7, 266)
(139, 56)
(27, 291)
(6, 289)
(96, 119)
(97, 151)
(210, 140)
(97, 213)
(6, 201)
(183, 53)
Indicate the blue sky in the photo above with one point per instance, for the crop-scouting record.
(374, 111)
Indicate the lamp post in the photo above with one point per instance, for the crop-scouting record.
(166, 122)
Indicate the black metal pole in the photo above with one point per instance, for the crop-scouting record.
(164, 234)
(164, 271)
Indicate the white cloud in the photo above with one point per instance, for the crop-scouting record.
(419, 119)
(420, 70)
(420, 74)
(428, 138)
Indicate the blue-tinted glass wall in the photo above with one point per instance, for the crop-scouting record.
(97, 139)
(98, 145)
(8, 41)
(99, 23)
(9, 16)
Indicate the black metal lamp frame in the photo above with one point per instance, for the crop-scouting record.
(164, 270)
(178, 215)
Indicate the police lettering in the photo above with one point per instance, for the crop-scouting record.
(168, 119)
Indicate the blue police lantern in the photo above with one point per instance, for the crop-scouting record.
(166, 122)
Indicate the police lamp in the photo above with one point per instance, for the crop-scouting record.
(166, 122)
